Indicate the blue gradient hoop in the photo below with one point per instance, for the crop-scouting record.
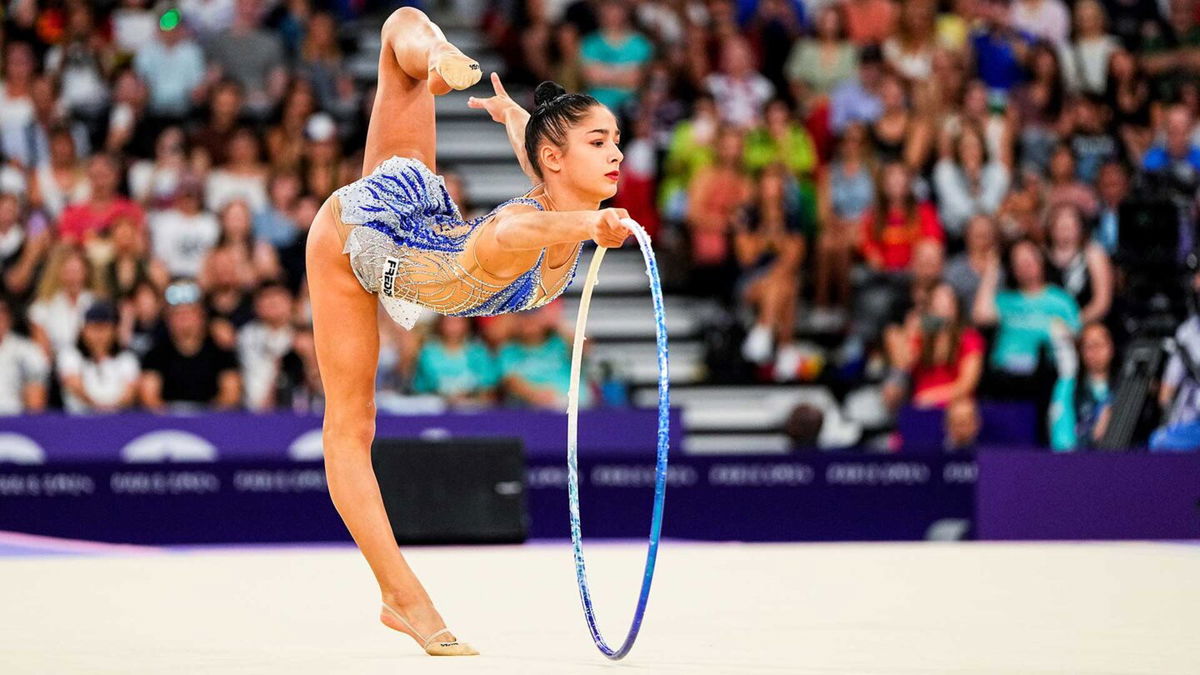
(664, 426)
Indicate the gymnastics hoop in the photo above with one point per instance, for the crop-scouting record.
(664, 426)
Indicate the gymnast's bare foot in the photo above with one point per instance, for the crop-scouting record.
(451, 69)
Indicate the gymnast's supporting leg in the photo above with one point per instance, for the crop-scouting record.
(347, 338)
(346, 330)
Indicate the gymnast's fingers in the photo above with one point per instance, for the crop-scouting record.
(612, 219)
(617, 231)
(605, 224)
(497, 86)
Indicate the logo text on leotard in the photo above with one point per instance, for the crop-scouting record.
(389, 275)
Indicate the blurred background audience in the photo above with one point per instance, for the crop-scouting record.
(945, 200)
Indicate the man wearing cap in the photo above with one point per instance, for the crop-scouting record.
(96, 374)
(187, 369)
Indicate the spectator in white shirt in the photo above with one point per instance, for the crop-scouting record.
(154, 182)
(28, 143)
(265, 348)
(96, 374)
(1085, 59)
(967, 184)
(183, 235)
(80, 61)
(243, 177)
(208, 17)
(1045, 19)
(741, 91)
(16, 103)
(173, 68)
(63, 296)
(63, 180)
(910, 51)
(134, 24)
(24, 370)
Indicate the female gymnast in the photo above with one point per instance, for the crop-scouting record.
(396, 235)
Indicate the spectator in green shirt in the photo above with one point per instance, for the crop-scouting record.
(535, 365)
(454, 364)
(692, 147)
(614, 57)
(1033, 317)
(1024, 315)
(781, 139)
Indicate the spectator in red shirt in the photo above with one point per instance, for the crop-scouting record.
(80, 222)
(938, 355)
(898, 221)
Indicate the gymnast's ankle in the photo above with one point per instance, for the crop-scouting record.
(403, 599)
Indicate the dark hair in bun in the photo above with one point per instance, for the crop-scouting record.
(554, 113)
(547, 91)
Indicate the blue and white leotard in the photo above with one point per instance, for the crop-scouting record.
(408, 241)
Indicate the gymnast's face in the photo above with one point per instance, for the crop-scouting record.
(590, 163)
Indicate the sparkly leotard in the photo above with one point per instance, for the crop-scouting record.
(405, 238)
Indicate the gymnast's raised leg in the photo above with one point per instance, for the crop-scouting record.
(415, 63)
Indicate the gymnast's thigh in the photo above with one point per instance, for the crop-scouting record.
(345, 329)
(402, 118)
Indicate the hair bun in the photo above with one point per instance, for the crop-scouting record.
(547, 92)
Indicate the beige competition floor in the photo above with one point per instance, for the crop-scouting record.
(715, 608)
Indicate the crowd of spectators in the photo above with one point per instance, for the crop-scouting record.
(973, 197)
(960, 192)
(160, 164)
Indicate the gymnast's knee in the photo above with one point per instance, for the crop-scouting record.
(347, 433)
(400, 18)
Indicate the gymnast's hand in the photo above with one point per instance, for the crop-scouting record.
(498, 106)
(607, 229)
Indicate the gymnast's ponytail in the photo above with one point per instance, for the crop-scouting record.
(555, 111)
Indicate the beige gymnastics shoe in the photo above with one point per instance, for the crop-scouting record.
(451, 69)
(432, 648)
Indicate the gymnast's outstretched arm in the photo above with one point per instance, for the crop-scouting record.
(509, 243)
(514, 118)
(524, 228)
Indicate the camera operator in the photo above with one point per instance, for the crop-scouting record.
(1179, 394)
(1171, 171)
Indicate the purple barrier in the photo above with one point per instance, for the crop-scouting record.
(1038, 495)
(751, 498)
(801, 497)
(54, 438)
